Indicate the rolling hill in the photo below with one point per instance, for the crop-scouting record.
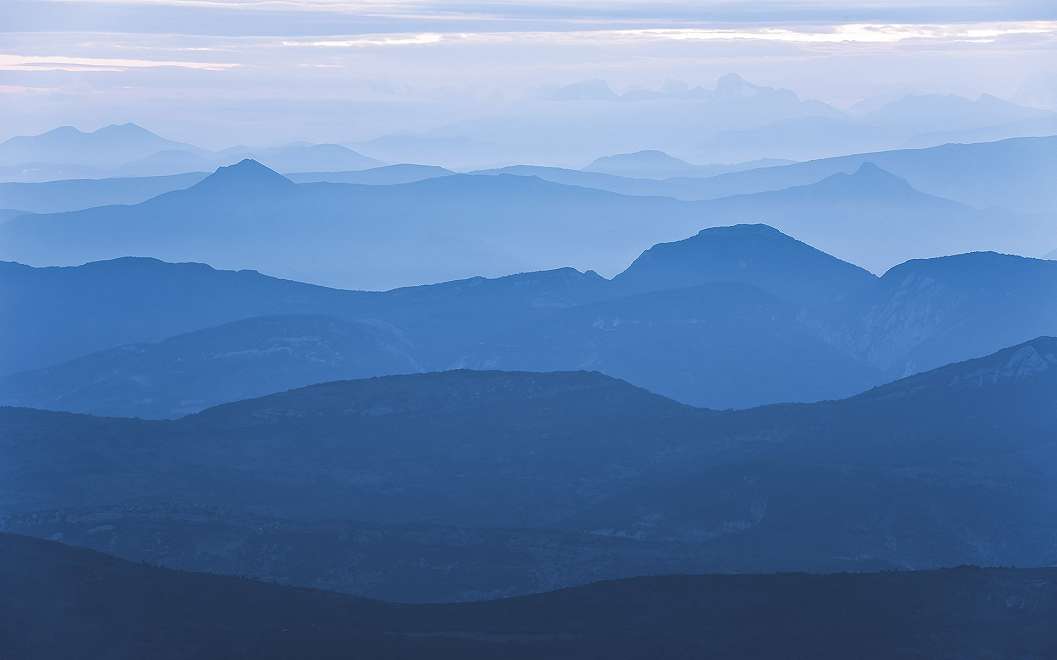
(943, 468)
(63, 600)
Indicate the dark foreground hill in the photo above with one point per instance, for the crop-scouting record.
(948, 467)
(58, 602)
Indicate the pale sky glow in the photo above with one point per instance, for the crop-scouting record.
(357, 69)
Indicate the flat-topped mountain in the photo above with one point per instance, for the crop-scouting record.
(754, 254)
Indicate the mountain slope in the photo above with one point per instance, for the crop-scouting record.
(124, 610)
(72, 195)
(238, 360)
(929, 312)
(135, 300)
(719, 345)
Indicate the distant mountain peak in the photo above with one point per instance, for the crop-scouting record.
(869, 179)
(756, 254)
(243, 175)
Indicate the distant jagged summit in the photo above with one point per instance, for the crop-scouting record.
(756, 254)
(246, 175)
(733, 84)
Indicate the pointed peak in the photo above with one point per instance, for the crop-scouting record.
(243, 175)
(868, 178)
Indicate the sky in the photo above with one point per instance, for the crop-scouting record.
(220, 72)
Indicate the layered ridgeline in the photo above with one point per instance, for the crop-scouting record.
(948, 467)
(732, 317)
(372, 236)
(1012, 174)
(62, 600)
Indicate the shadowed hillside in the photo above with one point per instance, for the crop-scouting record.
(70, 601)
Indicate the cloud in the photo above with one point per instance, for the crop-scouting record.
(349, 17)
(11, 62)
(847, 34)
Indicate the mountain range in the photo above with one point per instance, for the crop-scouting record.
(763, 318)
(946, 467)
(69, 599)
(734, 121)
(637, 173)
(128, 150)
(370, 237)
(514, 223)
